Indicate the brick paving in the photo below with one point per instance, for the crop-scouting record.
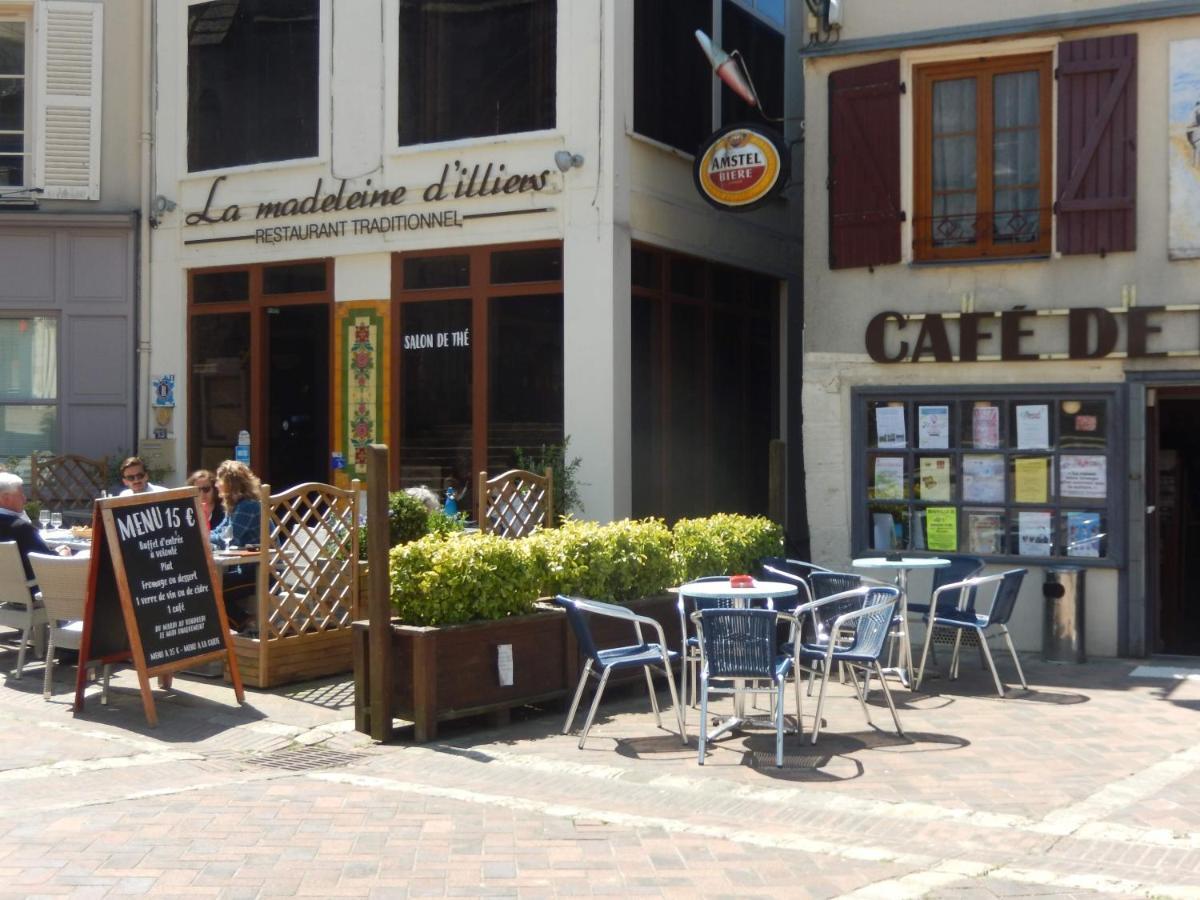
(1084, 786)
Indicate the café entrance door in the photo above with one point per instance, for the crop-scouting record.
(1173, 519)
(297, 379)
(259, 360)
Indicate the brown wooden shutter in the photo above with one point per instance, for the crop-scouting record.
(864, 166)
(1097, 144)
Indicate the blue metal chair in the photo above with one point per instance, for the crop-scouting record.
(964, 617)
(790, 571)
(855, 638)
(960, 569)
(602, 663)
(739, 646)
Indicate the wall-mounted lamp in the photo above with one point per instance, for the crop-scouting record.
(163, 204)
(566, 160)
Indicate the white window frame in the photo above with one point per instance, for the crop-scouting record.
(24, 14)
(324, 65)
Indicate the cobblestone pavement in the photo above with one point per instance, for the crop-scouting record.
(1085, 785)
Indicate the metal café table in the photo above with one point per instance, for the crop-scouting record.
(720, 589)
(901, 566)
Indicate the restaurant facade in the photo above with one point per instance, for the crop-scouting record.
(1002, 346)
(465, 230)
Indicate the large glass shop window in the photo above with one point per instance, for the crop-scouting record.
(480, 361)
(1010, 476)
(436, 389)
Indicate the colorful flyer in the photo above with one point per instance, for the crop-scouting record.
(1031, 479)
(1083, 534)
(1083, 476)
(985, 427)
(935, 478)
(889, 478)
(983, 478)
(1033, 533)
(933, 427)
(941, 528)
(889, 428)
(1033, 427)
(985, 533)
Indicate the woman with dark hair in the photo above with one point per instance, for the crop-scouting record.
(238, 488)
(204, 482)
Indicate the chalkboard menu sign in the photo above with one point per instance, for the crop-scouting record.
(152, 569)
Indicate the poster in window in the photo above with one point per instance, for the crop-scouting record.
(933, 427)
(1083, 476)
(985, 427)
(985, 533)
(889, 428)
(1033, 533)
(941, 528)
(1030, 478)
(1033, 427)
(983, 478)
(935, 478)
(1083, 534)
(1183, 128)
(889, 478)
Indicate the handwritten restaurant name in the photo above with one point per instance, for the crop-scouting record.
(458, 181)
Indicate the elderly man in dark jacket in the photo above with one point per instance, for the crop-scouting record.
(15, 526)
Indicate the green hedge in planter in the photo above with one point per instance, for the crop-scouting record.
(436, 581)
(616, 561)
(440, 580)
(722, 544)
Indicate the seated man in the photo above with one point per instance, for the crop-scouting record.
(15, 526)
(136, 479)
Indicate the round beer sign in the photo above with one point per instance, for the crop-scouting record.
(740, 167)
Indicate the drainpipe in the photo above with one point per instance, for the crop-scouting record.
(146, 142)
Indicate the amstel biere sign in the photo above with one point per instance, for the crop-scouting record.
(741, 167)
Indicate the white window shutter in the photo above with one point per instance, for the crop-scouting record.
(69, 56)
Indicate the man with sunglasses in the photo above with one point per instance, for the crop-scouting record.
(135, 479)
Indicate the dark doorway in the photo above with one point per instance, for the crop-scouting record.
(298, 395)
(1175, 455)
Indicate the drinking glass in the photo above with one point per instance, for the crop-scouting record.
(56, 520)
(44, 518)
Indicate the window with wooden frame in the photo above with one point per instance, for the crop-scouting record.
(479, 332)
(259, 359)
(705, 385)
(982, 158)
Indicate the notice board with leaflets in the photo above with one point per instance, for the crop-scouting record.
(154, 593)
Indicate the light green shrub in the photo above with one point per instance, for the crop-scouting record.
(444, 581)
(722, 544)
(436, 581)
(617, 561)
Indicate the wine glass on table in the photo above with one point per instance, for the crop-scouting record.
(44, 519)
(56, 521)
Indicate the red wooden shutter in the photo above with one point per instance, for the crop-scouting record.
(864, 166)
(1097, 144)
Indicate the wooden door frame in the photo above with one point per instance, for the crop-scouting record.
(256, 307)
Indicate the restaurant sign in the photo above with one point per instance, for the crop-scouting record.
(376, 208)
(741, 167)
(1130, 331)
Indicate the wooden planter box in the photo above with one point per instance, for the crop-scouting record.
(438, 674)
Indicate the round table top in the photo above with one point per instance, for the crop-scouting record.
(905, 562)
(720, 589)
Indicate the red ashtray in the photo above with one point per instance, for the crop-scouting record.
(741, 581)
